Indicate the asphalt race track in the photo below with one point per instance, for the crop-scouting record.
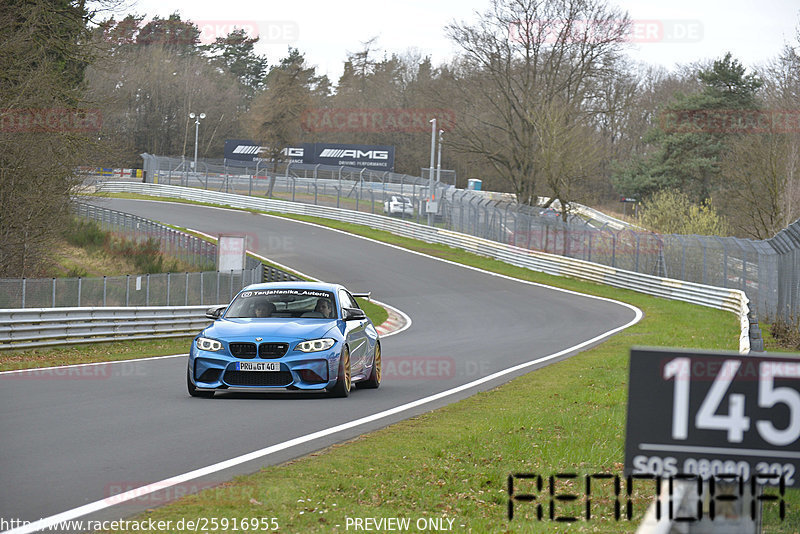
(68, 439)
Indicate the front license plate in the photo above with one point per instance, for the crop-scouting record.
(258, 366)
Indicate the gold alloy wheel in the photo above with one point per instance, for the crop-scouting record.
(346, 365)
(376, 363)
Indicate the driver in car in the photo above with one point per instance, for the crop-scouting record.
(263, 308)
(324, 307)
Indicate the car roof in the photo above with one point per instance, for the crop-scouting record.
(321, 286)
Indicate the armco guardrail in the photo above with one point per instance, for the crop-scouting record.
(732, 300)
(37, 327)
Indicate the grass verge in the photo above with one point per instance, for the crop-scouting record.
(110, 351)
(453, 463)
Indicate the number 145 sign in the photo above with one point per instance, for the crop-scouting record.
(735, 412)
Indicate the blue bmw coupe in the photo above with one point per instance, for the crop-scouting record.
(304, 336)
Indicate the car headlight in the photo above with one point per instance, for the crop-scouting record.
(315, 345)
(211, 345)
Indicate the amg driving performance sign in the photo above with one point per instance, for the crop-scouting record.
(369, 156)
(245, 152)
(714, 413)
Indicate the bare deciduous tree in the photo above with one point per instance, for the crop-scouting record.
(43, 53)
(569, 153)
(519, 58)
(275, 117)
(762, 169)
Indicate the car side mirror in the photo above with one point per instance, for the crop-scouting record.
(353, 314)
(214, 312)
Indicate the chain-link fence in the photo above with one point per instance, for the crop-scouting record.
(359, 189)
(787, 273)
(163, 289)
(768, 271)
(166, 289)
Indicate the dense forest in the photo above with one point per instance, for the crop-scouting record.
(537, 103)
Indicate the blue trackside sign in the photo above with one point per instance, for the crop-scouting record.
(247, 152)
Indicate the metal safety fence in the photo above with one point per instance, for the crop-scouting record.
(359, 189)
(731, 299)
(165, 289)
(24, 328)
(766, 270)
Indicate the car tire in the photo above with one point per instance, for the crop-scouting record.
(374, 379)
(343, 384)
(193, 391)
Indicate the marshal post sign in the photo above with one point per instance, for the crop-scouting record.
(714, 413)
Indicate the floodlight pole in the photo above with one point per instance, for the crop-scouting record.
(196, 118)
(430, 172)
(439, 160)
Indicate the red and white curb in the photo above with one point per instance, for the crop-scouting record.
(395, 323)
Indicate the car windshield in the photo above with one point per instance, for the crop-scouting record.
(283, 303)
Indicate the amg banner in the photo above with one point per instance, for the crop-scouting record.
(245, 152)
(369, 156)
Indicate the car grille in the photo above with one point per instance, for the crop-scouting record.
(243, 350)
(272, 350)
(258, 378)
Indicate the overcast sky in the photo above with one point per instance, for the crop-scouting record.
(665, 32)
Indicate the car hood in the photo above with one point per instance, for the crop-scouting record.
(270, 329)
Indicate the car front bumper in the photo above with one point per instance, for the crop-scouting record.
(305, 371)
